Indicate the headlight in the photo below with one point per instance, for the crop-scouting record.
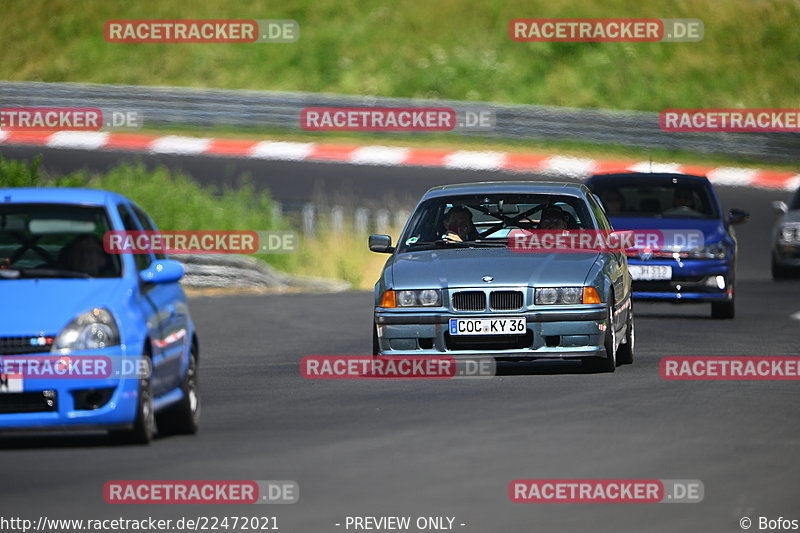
(413, 298)
(565, 295)
(790, 233)
(91, 330)
(718, 250)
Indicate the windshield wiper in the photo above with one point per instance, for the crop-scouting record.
(18, 273)
(441, 243)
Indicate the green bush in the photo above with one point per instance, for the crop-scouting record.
(172, 199)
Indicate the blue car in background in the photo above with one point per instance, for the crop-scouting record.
(675, 203)
(64, 295)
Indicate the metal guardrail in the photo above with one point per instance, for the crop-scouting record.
(242, 272)
(177, 106)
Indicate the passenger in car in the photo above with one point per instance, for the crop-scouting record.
(684, 197)
(553, 218)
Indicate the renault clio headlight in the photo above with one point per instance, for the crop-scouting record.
(88, 331)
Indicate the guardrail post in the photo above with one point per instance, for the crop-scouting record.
(309, 219)
(361, 221)
(337, 219)
(382, 221)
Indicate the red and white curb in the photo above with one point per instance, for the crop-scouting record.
(572, 167)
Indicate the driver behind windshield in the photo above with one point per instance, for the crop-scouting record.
(684, 198)
(86, 254)
(458, 225)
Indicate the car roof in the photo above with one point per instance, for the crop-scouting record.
(508, 187)
(642, 176)
(59, 195)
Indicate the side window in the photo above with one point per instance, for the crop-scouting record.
(599, 215)
(147, 224)
(129, 223)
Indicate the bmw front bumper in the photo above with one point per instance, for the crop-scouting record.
(558, 333)
(786, 255)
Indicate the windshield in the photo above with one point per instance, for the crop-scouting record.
(795, 204)
(54, 241)
(486, 220)
(667, 199)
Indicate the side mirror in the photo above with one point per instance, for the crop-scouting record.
(737, 216)
(381, 244)
(162, 271)
(780, 205)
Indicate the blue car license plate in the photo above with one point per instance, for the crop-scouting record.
(507, 325)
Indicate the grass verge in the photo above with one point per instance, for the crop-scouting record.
(423, 49)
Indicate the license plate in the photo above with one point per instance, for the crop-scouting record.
(487, 326)
(10, 383)
(650, 272)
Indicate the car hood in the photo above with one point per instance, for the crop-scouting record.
(34, 306)
(465, 267)
(713, 229)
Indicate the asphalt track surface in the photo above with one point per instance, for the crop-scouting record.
(450, 448)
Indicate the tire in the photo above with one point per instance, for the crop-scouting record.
(609, 362)
(376, 345)
(183, 418)
(144, 427)
(724, 310)
(780, 272)
(626, 349)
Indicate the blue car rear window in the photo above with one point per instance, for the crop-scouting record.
(662, 198)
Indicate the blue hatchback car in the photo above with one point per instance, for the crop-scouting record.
(63, 295)
(675, 203)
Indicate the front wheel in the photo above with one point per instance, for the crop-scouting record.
(609, 362)
(144, 427)
(780, 271)
(376, 345)
(184, 416)
(625, 351)
(724, 309)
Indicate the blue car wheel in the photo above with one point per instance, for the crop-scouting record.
(144, 427)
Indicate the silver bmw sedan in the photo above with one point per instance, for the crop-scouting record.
(481, 269)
